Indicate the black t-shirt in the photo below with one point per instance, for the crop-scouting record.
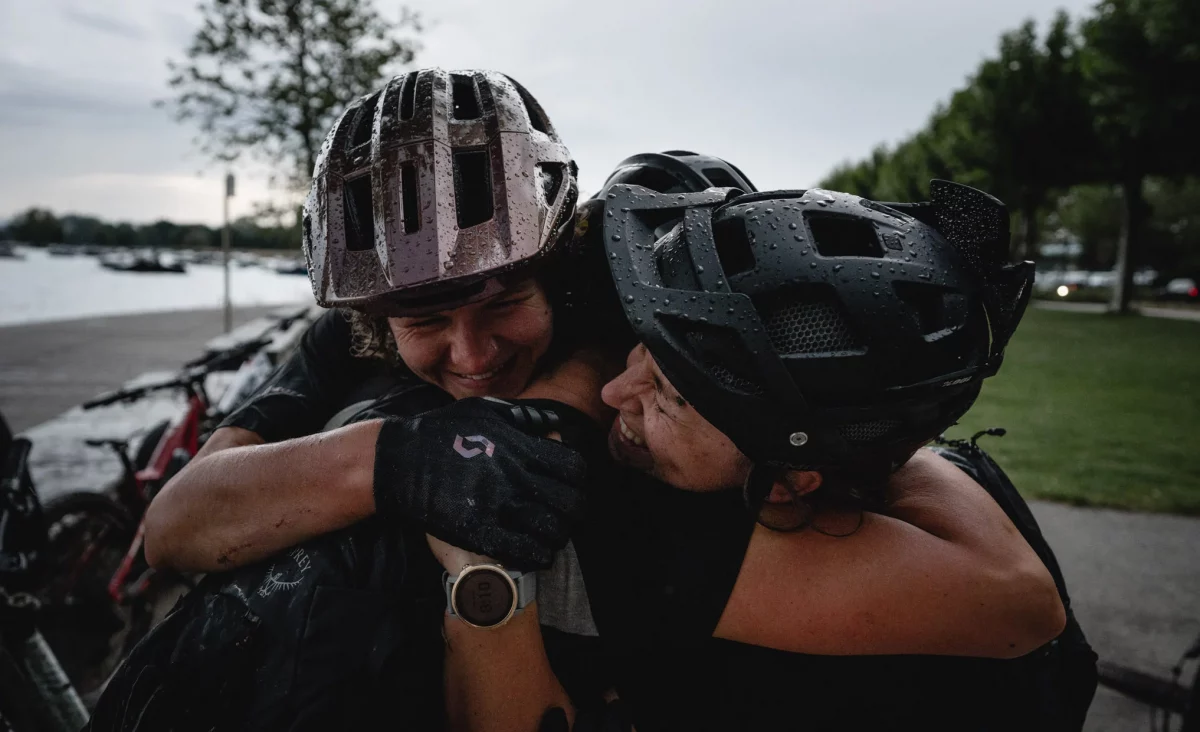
(321, 378)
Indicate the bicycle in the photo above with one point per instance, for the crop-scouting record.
(102, 596)
(1165, 697)
(35, 694)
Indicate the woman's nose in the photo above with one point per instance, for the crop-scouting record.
(620, 392)
(471, 349)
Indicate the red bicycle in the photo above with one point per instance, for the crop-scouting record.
(101, 596)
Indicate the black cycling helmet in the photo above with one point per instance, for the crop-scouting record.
(677, 171)
(818, 329)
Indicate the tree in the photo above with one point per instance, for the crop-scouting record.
(36, 226)
(269, 77)
(1021, 127)
(1141, 62)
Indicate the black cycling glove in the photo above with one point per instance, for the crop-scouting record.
(477, 474)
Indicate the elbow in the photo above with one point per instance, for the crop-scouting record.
(160, 525)
(1040, 616)
(154, 532)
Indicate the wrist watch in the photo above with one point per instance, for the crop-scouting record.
(488, 595)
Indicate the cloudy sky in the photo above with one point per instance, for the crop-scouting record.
(785, 89)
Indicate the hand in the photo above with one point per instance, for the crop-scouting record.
(470, 476)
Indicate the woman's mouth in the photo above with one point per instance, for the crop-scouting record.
(629, 434)
(628, 447)
(483, 379)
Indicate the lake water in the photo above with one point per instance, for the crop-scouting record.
(42, 288)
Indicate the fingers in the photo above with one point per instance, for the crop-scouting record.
(536, 521)
(510, 548)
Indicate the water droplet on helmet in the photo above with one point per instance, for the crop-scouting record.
(616, 237)
(792, 226)
(875, 275)
(628, 299)
(837, 267)
(700, 270)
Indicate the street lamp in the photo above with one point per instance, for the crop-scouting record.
(225, 252)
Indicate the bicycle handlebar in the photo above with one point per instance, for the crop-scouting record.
(194, 372)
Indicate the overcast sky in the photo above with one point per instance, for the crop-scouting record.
(786, 90)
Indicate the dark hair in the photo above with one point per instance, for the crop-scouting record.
(855, 489)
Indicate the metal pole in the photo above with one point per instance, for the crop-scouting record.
(225, 253)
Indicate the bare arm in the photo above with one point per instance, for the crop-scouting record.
(496, 680)
(946, 573)
(240, 500)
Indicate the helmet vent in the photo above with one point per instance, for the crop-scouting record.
(365, 121)
(410, 196)
(360, 214)
(809, 326)
(721, 178)
(551, 176)
(466, 104)
(537, 118)
(718, 352)
(733, 245)
(472, 187)
(732, 380)
(926, 305)
(871, 431)
(841, 236)
(408, 97)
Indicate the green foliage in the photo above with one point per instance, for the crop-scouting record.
(41, 227)
(1089, 129)
(269, 77)
(36, 226)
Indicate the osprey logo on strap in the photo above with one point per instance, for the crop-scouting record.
(470, 452)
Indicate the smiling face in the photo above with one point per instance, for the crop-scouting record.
(659, 433)
(485, 348)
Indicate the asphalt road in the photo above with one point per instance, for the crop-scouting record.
(1134, 578)
(47, 368)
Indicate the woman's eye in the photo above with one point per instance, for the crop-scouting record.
(425, 323)
(505, 303)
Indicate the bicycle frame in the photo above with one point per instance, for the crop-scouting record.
(182, 435)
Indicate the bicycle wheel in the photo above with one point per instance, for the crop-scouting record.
(87, 537)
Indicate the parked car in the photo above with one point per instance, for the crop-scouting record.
(1180, 289)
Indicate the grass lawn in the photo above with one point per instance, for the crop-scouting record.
(1100, 411)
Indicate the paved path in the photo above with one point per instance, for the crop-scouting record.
(47, 368)
(1134, 578)
(1135, 586)
(1150, 311)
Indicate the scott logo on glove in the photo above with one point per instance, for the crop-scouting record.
(470, 452)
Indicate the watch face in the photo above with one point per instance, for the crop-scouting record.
(484, 597)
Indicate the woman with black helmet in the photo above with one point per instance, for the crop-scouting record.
(854, 333)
